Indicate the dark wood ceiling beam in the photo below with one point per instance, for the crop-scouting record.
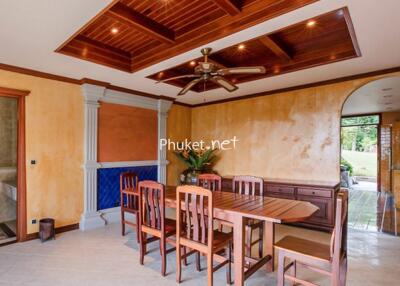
(275, 48)
(232, 7)
(126, 15)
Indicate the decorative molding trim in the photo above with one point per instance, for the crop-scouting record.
(163, 107)
(110, 87)
(104, 165)
(61, 229)
(302, 86)
(118, 97)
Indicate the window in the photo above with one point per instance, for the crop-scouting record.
(360, 120)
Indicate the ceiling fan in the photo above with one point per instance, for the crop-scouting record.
(208, 71)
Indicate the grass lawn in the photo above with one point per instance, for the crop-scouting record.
(364, 163)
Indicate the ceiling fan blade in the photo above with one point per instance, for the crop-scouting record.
(229, 86)
(189, 86)
(178, 77)
(242, 70)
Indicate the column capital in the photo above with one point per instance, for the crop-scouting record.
(92, 93)
(164, 106)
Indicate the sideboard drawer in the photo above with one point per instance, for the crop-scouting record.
(280, 189)
(314, 192)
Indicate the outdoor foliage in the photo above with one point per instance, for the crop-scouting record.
(361, 138)
(349, 167)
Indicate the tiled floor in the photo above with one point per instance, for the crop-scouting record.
(103, 257)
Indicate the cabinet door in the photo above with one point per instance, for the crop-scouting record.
(325, 213)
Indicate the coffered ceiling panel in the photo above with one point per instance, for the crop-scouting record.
(130, 35)
(320, 40)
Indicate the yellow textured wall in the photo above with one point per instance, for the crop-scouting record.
(293, 135)
(178, 129)
(54, 137)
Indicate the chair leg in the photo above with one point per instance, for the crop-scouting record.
(293, 272)
(229, 268)
(210, 270)
(184, 259)
(137, 226)
(281, 269)
(122, 222)
(142, 244)
(260, 242)
(248, 241)
(178, 263)
(163, 257)
(198, 266)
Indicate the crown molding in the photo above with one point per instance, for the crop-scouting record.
(111, 87)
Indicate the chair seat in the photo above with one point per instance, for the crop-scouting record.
(221, 239)
(305, 247)
(254, 223)
(170, 226)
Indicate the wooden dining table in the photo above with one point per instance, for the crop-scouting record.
(237, 209)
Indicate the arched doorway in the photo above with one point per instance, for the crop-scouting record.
(370, 154)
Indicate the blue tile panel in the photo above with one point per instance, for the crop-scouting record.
(108, 183)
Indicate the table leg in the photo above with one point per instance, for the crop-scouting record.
(238, 250)
(269, 241)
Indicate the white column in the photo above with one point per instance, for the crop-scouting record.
(91, 217)
(163, 107)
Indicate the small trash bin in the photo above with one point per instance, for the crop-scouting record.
(46, 229)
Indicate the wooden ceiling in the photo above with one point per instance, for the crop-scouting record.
(321, 40)
(130, 35)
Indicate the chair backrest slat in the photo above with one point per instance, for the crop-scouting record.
(152, 204)
(248, 185)
(128, 180)
(210, 181)
(198, 204)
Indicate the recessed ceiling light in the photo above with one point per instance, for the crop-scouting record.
(114, 30)
(192, 63)
(241, 47)
(311, 23)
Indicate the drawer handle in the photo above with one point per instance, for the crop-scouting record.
(313, 193)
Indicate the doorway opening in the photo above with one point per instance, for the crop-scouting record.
(12, 166)
(370, 155)
(8, 169)
(360, 172)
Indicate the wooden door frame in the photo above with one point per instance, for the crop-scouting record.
(378, 151)
(21, 169)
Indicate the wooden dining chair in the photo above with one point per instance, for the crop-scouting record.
(198, 234)
(330, 260)
(211, 182)
(129, 200)
(252, 186)
(152, 221)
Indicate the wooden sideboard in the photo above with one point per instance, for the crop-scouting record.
(321, 194)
